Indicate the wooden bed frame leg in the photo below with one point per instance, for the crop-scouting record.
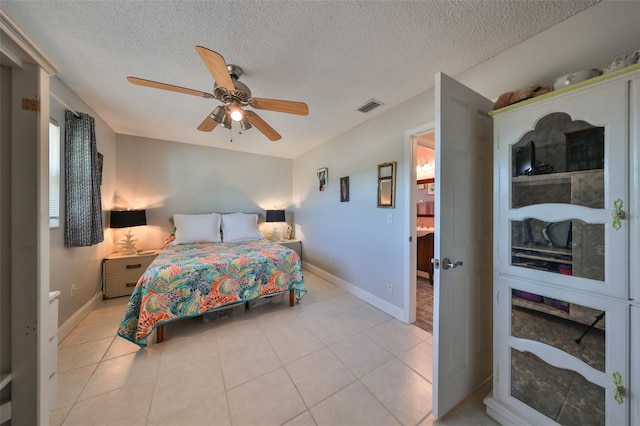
(292, 297)
(160, 334)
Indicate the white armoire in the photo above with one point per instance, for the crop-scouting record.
(566, 289)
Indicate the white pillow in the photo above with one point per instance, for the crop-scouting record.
(240, 226)
(197, 228)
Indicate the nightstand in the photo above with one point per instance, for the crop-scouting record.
(121, 272)
(295, 245)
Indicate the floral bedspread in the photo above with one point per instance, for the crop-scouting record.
(190, 279)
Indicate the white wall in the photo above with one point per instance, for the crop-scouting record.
(170, 177)
(81, 266)
(353, 241)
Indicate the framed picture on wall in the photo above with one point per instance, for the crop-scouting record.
(387, 185)
(323, 178)
(426, 197)
(344, 189)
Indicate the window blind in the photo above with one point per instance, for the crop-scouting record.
(54, 173)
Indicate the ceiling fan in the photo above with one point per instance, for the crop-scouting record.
(233, 94)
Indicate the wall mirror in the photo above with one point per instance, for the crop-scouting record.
(387, 185)
(426, 197)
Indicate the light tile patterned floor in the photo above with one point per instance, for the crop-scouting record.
(330, 360)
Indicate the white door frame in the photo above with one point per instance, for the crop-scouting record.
(29, 251)
(409, 182)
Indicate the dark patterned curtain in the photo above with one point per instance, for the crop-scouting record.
(83, 205)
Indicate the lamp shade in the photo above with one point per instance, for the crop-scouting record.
(275, 216)
(128, 218)
(218, 114)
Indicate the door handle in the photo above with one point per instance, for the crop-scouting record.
(446, 263)
(618, 214)
(619, 391)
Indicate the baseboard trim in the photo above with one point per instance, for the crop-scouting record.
(371, 299)
(78, 316)
(503, 414)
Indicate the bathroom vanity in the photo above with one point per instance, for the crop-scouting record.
(425, 251)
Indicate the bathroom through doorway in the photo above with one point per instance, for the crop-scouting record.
(424, 189)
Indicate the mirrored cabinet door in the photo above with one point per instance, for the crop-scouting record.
(562, 355)
(564, 192)
(562, 161)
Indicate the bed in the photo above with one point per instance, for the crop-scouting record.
(189, 280)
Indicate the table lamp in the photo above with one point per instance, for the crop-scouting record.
(275, 216)
(128, 219)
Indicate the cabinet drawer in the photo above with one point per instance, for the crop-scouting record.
(120, 286)
(127, 266)
(121, 273)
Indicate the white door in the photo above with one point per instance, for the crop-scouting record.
(462, 318)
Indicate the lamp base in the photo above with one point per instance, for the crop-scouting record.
(128, 243)
(275, 234)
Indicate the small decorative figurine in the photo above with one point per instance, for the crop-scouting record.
(289, 231)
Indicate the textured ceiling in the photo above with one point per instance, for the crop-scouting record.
(333, 55)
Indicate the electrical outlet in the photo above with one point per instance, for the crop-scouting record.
(73, 289)
(389, 287)
(389, 218)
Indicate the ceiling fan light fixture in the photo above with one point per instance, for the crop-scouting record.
(236, 113)
(218, 114)
(226, 121)
(244, 124)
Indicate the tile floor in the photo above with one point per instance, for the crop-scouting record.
(424, 304)
(330, 360)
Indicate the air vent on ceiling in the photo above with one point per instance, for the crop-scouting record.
(369, 105)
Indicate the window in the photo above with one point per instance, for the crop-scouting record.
(54, 173)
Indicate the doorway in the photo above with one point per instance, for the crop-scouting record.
(424, 195)
(462, 331)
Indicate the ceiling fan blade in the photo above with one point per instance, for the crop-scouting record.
(208, 124)
(262, 125)
(171, 87)
(289, 107)
(217, 67)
